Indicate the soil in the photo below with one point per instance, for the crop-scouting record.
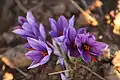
(11, 45)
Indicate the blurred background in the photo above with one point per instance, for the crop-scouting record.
(13, 63)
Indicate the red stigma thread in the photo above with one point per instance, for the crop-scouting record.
(44, 53)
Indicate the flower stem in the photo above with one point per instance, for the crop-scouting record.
(87, 16)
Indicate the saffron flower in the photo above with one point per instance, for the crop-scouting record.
(59, 27)
(40, 53)
(29, 28)
(70, 40)
(88, 47)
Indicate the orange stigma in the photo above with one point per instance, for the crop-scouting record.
(93, 58)
(44, 53)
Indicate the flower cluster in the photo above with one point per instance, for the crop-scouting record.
(35, 36)
(78, 43)
(82, 44)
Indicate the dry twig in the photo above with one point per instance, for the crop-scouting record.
(87, 16)
(97, 75)
(58, 72)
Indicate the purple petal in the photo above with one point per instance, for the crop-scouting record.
(91, 36)
(45, 60)
(56, 52)
(78, 41)
(27, 45)
(68, 43)
(63, 77)
(35, 29)
(59, 39)
(36, 44)
(81, 31)
(71, 34)
(34, 64)
(97, 48)
(85, 55)
(95, 53)
(49, 50)
(22, 32)
(37, 58)
(42, 32)
(21, 20)
(62, 23)
(53, 24)
(71, 21)
(30, 18)
(27, 27)
(33, 55)
(74, 53)
(81, 38)
(43, 43)
(33, 23)
(44, 46)
(17, 27)
(61, 60)
(63, 48)
(90, 40)
(53, 34)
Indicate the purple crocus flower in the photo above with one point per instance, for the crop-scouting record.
(70, 41)
(29, 28)
(40, 53)
(59, 27)
(88, 47)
